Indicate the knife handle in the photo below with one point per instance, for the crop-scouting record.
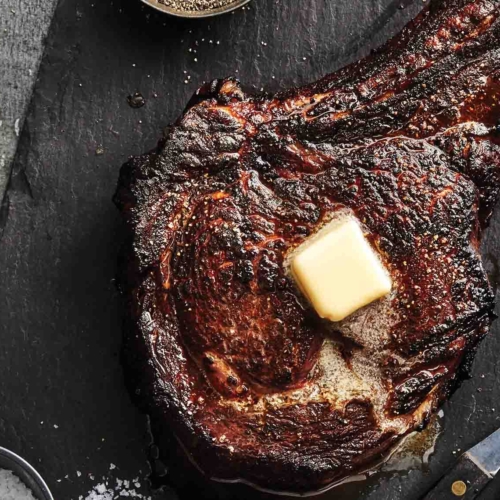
(464, 481)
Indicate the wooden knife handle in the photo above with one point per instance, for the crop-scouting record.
(464, 481)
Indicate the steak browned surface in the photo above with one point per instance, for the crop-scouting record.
(220, 345)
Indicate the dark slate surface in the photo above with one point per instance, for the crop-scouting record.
(62, 401)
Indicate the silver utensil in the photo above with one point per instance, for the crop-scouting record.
(471, 473)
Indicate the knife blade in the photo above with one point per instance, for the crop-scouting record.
(471, 473)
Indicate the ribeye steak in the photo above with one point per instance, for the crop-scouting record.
(221, 346)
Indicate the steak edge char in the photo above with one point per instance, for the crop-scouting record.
(221, 348)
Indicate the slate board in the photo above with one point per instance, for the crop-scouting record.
(63, 404)
(23, 27)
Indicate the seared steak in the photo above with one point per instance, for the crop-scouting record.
(221, 346)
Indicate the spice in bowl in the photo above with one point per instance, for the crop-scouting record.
(190, 6)
(12, 488)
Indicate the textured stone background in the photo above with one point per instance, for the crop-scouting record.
(23, 27)
(63, 404)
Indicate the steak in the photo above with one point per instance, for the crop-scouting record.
(220, 346)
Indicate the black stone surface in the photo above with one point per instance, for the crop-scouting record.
(63, 405)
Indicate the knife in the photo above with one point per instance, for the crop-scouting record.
(471, 473)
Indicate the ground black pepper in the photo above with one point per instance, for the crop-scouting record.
(197, 5)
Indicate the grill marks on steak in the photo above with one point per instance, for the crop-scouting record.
(220, 343)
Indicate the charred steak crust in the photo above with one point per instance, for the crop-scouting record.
(222, 348)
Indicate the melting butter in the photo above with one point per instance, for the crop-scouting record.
(339, 272)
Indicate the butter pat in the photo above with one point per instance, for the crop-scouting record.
(339, 272)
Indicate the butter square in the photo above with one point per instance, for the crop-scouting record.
(339, 272)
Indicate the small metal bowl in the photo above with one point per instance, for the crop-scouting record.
(26, 473)
(156, 4)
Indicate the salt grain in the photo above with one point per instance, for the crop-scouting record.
(106, 491)
(12, 488)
